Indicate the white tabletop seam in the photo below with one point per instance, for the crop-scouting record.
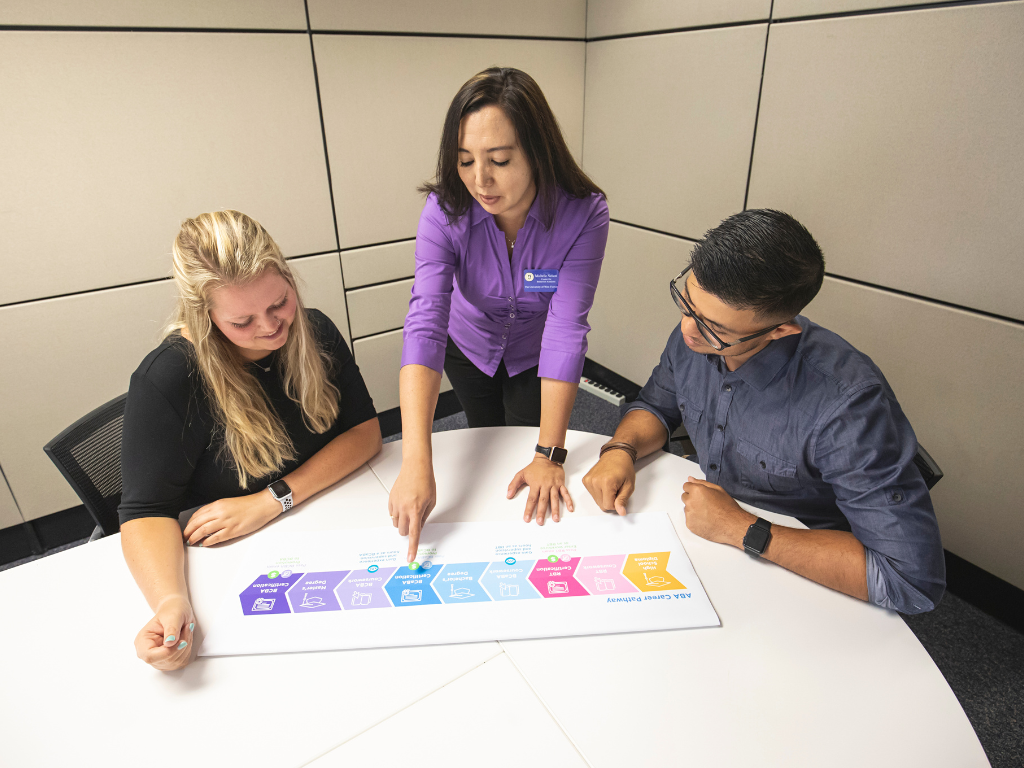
(547, 709)
(429, 693)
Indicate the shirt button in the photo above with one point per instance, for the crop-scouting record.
(512, 314)
(713, 467)
(510, 298)
(763, 465)
(721, 428)
(503, 336)
(682, 407)
(728, 387)
(897, 497)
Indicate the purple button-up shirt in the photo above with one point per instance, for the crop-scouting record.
(466, 287)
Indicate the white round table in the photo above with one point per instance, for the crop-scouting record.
(797, 675)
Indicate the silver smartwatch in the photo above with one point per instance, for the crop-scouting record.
(279, 490)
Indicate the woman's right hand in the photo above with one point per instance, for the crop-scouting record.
(412, 499)
(166, 641)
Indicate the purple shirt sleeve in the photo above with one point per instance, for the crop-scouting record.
(564, 344)
(426, 326)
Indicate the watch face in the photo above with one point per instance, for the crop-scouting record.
(756, 539)
(279, 488)
(559, 455)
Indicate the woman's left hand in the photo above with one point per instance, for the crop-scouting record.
(547, 484)
(227, 519)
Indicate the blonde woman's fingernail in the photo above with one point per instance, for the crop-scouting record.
(182, 644)
(191, 626)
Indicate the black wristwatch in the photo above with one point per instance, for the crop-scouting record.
(758, 536)
(557, 455)
(279, 490)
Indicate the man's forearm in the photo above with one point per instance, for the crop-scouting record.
(834, 559)
(642, 430)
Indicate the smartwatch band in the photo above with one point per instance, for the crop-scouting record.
(556, 454)
(280, 490)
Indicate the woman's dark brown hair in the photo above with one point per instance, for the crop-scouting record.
(523, 102)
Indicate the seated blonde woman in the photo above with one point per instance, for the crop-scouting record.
(252, 403)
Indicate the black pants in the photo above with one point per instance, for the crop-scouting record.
(493, 401)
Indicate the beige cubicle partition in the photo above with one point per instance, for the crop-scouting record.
(893, 133)
(606, 18)
(384, 101)
(892, 129)
(121, 119)
(9, 512)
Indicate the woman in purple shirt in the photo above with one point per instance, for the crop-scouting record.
(508, 255)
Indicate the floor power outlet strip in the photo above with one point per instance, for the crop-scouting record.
(600, 390)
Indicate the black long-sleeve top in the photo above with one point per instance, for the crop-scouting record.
(171, 456)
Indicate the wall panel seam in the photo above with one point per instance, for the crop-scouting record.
(855, 281)
(655, 231)
(459, 35)
(327, 165)
(674, 30)
(11, 491)
(889, 9)
(348, 248)
(363, 287)
(376, 333)
(928, 299)
(757, 109)
(136, 283)
(186, 30)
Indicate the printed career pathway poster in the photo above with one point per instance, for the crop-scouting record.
(328, 590)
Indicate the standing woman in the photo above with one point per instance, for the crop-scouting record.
(251, 403)
(508, 254)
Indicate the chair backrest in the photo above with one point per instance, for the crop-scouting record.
(929, 469)
(88, 454)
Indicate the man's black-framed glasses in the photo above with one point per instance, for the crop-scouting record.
(709, 336)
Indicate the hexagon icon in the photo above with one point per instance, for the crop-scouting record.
(649, 572)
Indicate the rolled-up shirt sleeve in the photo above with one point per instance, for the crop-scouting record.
(426, 326)
(866, 454)
(564, 343)
(659, 393)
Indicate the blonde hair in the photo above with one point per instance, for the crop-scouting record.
(228, 248)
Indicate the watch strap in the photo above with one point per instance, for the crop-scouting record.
(555, 454)
(286, 498)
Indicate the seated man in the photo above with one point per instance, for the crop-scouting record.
(785, 416)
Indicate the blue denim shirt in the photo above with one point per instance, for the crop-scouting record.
(809, 427)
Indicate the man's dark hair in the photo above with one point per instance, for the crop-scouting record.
(762, 260)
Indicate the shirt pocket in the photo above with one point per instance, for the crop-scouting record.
(764, 471)
(691, 413)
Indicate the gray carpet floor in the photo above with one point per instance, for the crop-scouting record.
(981, 658)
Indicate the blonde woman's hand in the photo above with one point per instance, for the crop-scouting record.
(412, 499)
(227, 519)
(165, 643)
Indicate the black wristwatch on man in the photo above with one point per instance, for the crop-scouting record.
(759, 534)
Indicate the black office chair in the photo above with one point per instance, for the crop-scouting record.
(88, 454)
(929, 469)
